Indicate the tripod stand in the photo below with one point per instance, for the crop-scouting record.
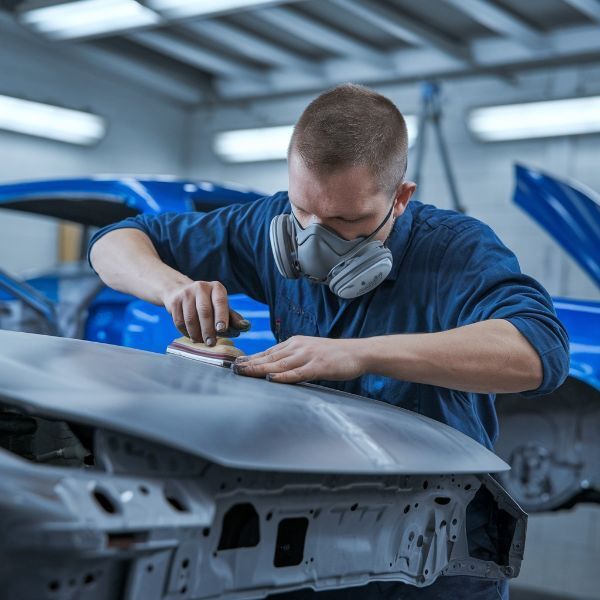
(431, 112)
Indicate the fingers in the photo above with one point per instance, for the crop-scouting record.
(220, 306)
(293, 376)
(237, 321)
(190, 317)
(200, 311)
(204, 307)
(266, 365)
(178, 320)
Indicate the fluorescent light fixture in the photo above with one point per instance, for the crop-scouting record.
(249, 145)
(536, 119)
(270, 143)
(85, 18)
(193, 8)
(53, 122)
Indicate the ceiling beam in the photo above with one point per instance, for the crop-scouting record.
(321, 35)
(590, 8)
(160, 80)
(497, 19)
(403, 28)
(489, 55)
(194, 55)
(250, 44)
(174, 87)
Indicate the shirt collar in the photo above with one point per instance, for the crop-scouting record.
(397, 241)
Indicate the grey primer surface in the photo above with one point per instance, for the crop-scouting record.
(552, 445)
(126, 474)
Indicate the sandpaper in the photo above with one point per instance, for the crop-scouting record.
(222, 354)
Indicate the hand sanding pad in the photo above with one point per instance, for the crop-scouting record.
(222, 354)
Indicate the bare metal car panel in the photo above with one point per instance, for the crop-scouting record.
(219, 416)
(184, 480)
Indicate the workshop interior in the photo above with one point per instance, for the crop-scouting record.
(135, 462)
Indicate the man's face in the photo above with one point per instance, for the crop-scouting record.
(347, 201)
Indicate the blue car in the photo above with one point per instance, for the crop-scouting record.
(552, 443)
(71, 301)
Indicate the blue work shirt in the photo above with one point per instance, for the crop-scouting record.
(448, 270)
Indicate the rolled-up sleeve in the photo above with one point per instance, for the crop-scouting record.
(228, 245)
(480, 279)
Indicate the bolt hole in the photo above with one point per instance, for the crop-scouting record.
(468, 487)
(442, 524)
(454, 521)
(223, 486)
(186, 563)
(354, 507)
(105, 502)
(406, 508)
(269, 516)
(54, 586)
(411, 536)
(416, 504)
(183, 590)
(206, 531)
(426, 571)
(425, 484)
(419, 541)
(144, 490)
(88, 579)
(150, 568)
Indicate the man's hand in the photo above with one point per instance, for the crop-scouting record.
(200, 310)
(303, 358)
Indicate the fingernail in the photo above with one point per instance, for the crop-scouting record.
(244, 324)
(220, 326)
(237, 369)
(210, 341)
(241, 359)
(269, 377)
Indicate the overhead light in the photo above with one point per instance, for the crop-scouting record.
(249, 145)
(53, 122)
(536, 119)
(270, 143)
(192, 8)
(85, 18)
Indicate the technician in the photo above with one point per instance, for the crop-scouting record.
(369, 292)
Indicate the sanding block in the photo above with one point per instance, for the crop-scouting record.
(222, 354)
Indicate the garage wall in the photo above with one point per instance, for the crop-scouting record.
(484, 171)
(145, 135)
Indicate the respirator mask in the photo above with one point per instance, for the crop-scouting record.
(350, 268)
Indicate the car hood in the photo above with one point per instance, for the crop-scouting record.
(569, 212)
(228, 419)
(104, 199)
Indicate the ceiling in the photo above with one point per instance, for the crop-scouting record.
(281, 48)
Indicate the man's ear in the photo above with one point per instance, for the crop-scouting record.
(403, 196)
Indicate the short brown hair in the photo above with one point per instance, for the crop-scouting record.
(352, 125)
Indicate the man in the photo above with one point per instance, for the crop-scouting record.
(369, 293)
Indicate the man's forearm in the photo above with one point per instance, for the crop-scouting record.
(486, 357)
(127, 261)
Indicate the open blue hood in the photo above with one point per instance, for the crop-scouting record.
(569, 212)
(104, 199)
